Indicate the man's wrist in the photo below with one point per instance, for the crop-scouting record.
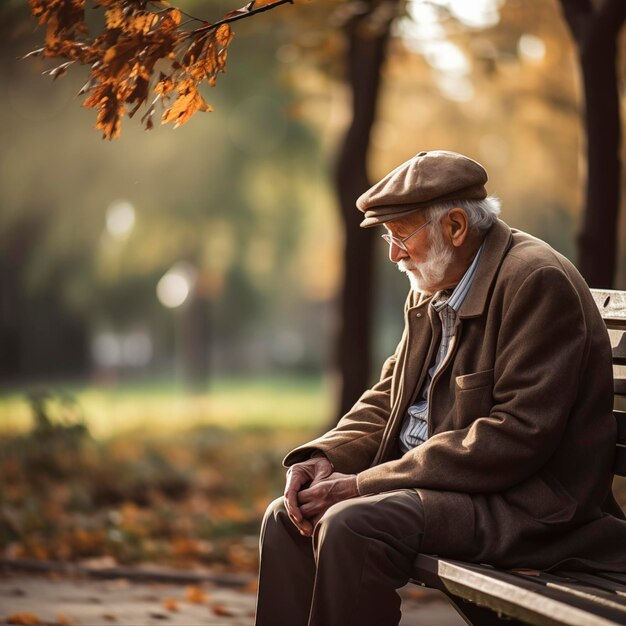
(318, 454)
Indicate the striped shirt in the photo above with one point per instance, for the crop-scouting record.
(415, 426)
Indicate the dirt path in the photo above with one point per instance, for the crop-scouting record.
(67, 601)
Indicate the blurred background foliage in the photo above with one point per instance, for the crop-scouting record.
(182, 285)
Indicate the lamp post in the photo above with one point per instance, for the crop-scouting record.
(178, 289)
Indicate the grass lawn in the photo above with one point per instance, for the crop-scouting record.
(236, 402)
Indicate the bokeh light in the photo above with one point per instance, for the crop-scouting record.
(531, 48)
(120, 219)
(175, 286)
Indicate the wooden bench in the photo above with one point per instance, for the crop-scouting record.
(486, 596)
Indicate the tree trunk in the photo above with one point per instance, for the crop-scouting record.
(595, 32)
(365, 57)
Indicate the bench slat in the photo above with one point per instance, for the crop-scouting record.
(619, 386)
(515, 595)
(596, 596)
(614, 576)
(600, 582)
(618, 345)
(583, 585)
(612, 306)
(594, 587)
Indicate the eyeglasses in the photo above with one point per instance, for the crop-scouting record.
(401, 243)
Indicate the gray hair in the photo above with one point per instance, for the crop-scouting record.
(482, 214)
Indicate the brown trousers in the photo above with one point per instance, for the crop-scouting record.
(347, 574)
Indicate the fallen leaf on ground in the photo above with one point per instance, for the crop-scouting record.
(63, 620)
(223, 611)
(17, 593)
(99, 562)
(23, 619)
(170, 604)
(195, 595)
(157, 615)
(109, 617)
(118, 583)
(415, 594)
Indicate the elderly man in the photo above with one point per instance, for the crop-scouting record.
(489, 436)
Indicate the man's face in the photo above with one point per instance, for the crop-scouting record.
(427, 255)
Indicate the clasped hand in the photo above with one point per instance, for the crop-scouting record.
(312, 488)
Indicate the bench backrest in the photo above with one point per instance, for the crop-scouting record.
(612, 306)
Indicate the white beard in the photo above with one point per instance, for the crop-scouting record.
(423, 276)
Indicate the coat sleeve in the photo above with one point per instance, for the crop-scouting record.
(542, 344)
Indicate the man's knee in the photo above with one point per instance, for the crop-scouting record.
(275, 518)
(342, 519)
(395, 514)
(275, 509)
(342, 514)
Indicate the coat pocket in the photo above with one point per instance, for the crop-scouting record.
(543, 498)
(475, 380)
(473, 397)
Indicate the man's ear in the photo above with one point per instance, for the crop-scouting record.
(456, 225)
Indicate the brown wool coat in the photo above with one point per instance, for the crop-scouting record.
(517, 469)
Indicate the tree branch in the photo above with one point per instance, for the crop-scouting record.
(240, 14)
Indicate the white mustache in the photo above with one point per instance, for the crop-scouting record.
(406, 266)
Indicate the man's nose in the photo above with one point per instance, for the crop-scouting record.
(396, 253)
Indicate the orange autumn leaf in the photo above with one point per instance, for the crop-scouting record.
(188, 102)
(221, 610)
(64, 19)
(170, 604)
(224, 35)
(63, 620)
(114, 17)
(165, 85)
(415, 594)
(52, 34)
(195, 51)
(111, 110)
(141, 22)
(171, 19)
(119, 58)
(186, 547)
(195, 595)
(24, 619)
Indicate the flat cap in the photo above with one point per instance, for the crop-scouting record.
(426, 179)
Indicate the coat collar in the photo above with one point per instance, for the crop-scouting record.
(497, 244)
